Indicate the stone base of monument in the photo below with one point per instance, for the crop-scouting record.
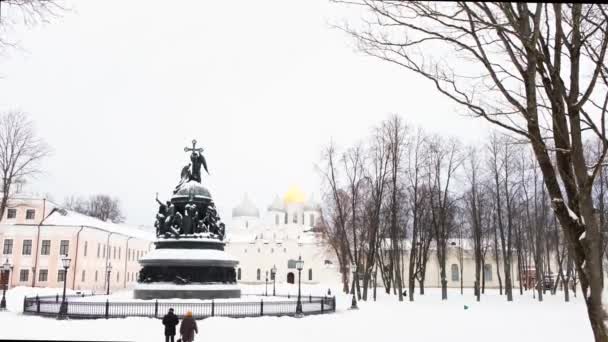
(189, 267)
(188, 291)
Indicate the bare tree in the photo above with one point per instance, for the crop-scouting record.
(100, 206)
(335, 216)
(396, 136)
(377, 173)
(475, 206)
(536, 70)
(414, 178)
(20, 152)
(444, 160)
(28, 12)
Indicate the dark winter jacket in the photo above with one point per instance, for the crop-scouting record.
(170, 321)
(187, 329)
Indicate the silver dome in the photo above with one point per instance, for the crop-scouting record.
(245, 208)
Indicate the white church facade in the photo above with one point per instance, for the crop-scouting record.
(277, 238)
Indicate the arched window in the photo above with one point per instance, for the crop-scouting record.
(310, 274)
(259, 274)
(312, 220)
(238, 274)
(455, 274)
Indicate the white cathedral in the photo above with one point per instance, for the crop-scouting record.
(277, 238)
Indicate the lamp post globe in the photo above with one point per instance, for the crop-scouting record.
(299, 267)
(273, 272)
(63, 309)
(109, 270)
(6, 268)
(353, 305)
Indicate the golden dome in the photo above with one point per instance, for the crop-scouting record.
(294, 195)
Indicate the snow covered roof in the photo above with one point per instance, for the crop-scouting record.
(73, 218)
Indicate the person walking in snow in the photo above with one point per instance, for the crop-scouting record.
(170, 321)
(188, 328)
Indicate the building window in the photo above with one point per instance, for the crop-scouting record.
(30, 214)
(328, 262)
(8, 247)
(11, 213)
(238, 274)
(295, 218)
(487, 272)
(43, 275)
(272, 250)
(82, 276)
(27, 247)
(310, 274)
(312, 220)
(276, 219)
(128, 254)
(246, 224)
(98, 249)
(45, 249)
(117, 276)
(455, 274)
(103, 252)
(291, 263)
(24, 275)
(95, 275)
(114, 252)
(118, 253)
(259, 274)
(85, 248)
(60, 275)
(285, 250)
(64, 247)
(245, 250)
(259, 250)
(286, 218)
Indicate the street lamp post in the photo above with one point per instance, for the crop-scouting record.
(299, 266)
(273, 271)
(353, 305)
(266, 290)
(109, 270)
(63, 309)
(6, 268)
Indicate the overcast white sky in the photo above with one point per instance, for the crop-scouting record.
(119, 88)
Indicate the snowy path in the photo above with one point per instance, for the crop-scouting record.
(427, 319)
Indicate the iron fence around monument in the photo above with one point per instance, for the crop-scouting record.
(82, 309)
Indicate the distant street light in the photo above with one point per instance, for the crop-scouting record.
(108, 270)
(6, 269)
(273, 271)
(63, 309)
(299, 266)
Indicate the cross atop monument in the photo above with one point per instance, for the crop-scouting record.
(193, 149)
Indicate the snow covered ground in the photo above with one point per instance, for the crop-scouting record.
(426, 319)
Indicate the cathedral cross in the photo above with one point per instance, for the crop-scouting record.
(193, 149)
